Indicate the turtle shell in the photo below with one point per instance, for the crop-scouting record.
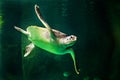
(35, 30)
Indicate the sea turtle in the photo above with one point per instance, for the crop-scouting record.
(49, 39)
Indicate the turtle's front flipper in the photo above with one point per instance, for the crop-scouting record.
(74, 61)
(40, 17)
(43, 21)
(21, 30)
(29, 48)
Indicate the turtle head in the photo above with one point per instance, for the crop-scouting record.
(70, 40)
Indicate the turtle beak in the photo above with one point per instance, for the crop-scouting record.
(73, 38)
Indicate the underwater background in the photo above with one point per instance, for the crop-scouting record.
(96, 23)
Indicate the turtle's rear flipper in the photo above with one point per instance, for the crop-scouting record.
(29, 48)
(21, 30)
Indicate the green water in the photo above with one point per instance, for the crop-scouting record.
(96, 23)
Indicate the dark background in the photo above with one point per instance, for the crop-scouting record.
(96, 23)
